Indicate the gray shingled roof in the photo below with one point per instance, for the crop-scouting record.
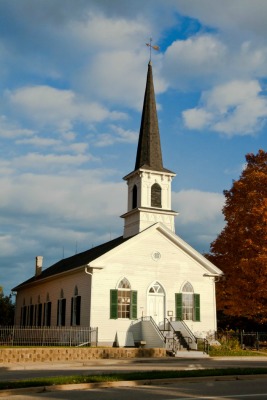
(149, 148)
(76, 261)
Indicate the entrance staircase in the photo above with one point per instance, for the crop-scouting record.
(175, 336)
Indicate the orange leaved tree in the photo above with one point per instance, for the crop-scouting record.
(240, 250)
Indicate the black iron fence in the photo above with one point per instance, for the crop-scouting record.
(48, 336)
(247, 340)
(256, 340)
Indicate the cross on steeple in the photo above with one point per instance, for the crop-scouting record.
(151, 47)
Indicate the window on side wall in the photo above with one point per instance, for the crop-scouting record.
(75, 308)
(61, 310)
(47, 313)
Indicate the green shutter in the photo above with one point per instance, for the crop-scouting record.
(133, 308)
(196, 307)
(113, 304)
(179, 306)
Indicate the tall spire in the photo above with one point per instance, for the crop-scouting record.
(149, 185)
(149, 149)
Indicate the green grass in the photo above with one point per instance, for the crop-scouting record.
(75, 379)
(226, 352)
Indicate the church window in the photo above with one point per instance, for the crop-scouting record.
(47, 311)
(23, 314)
(75, 308)
(123, 301)
(39, 312)
(61, 310)
(31, 313)
(187, 304)
(134, 196)
(156, 288)
(156, 195)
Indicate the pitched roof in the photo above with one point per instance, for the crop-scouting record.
(149, 148)
(76, 261)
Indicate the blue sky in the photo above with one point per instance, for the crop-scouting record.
(72, 81)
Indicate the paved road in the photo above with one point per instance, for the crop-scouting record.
(244, 389)
(31, 370)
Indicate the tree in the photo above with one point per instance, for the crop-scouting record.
(7, 309)
(240, 250)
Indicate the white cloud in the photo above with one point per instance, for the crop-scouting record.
(60, 108)
(186, 61)
(10, 130)
(200, 217)
(109, 33)
(119, 77)
(235, 108)
(49, 161)
(52, 201)
(39, 141)
(197, 118)
(196, 206)
(238, 16)
(118, 135)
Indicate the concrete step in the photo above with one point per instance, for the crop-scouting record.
(191, 354)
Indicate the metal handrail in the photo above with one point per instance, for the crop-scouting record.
(191, 335)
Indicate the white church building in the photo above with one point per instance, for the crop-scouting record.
(131, 287)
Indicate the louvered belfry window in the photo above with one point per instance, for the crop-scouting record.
(156, 196)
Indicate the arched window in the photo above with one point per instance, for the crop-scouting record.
(123, 301)
(188, 301)
(75, 308)
(39, 312)
(124, 284)
(134, 197)
(23, 314)
(47, 311)
(156, 195)
(187, 288)
(187, 304)
(156, 288)
(31, 313)
(124, 298)
(61, 309)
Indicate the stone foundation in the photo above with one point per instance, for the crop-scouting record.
(57, 354)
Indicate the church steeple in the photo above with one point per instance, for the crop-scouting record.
(149, 185)
(149, 149)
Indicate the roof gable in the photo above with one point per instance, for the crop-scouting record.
(211, 269)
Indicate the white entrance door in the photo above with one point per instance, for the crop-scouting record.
(156, 303)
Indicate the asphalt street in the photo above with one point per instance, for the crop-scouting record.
(31, 370)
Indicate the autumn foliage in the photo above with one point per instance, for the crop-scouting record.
(240, 250)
